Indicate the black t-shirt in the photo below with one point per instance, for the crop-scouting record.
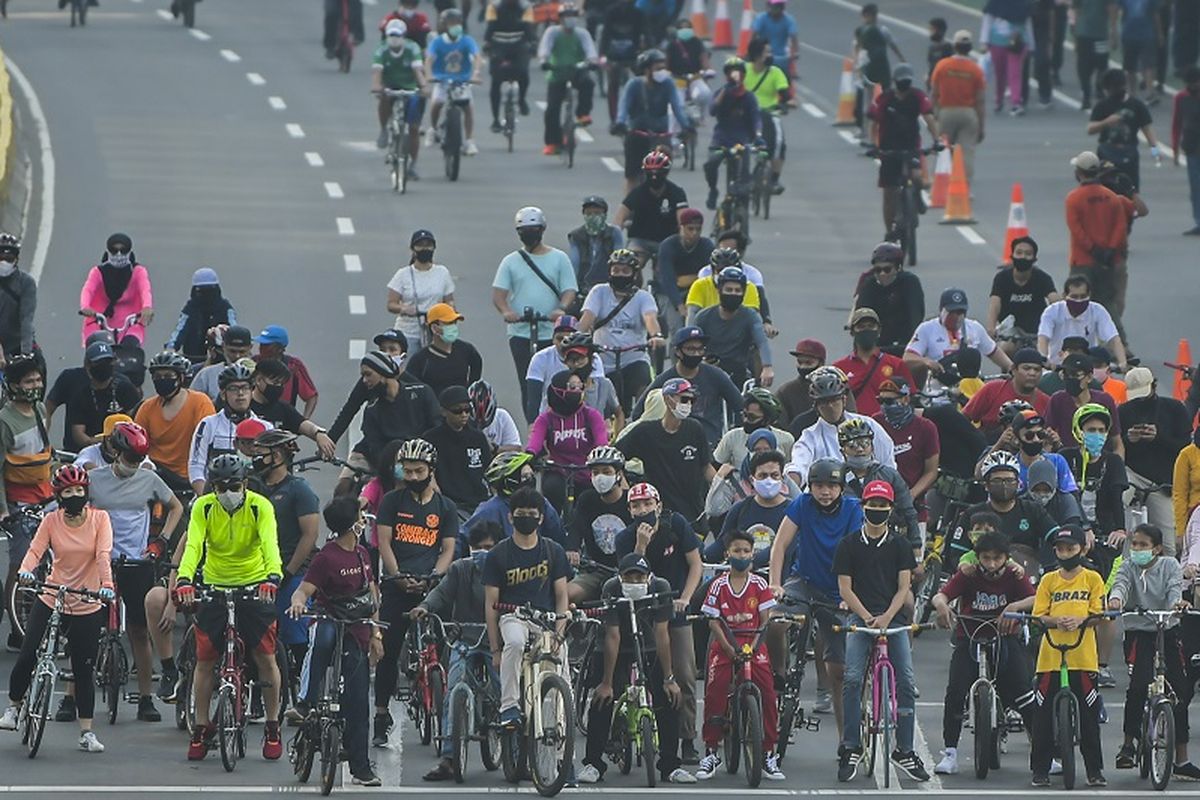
(416, 530)
(68, 382)
(1026, 523)
(1134, 116)
(961, 442)
(684, 58)
(654, 216)
(899, 121)
(650, 612)
(595, 526)
(900, 306)
(279, 414)
(1026, 303)
(462, 366)
(874, 567)
(526, 576)
(668, 548)
(462, 458)
(674, 463)
(88, 406)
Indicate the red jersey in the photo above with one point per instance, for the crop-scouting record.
(915, 443)
(741, 612)
(864, 377)
(417, 25)
(984, 406)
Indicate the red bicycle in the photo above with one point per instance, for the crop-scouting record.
(112, 662)
(233, 687)
(428, 690)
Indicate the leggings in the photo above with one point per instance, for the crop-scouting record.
(1007, 67)
(84, 633)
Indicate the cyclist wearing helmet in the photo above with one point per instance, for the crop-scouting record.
(949, 333)
(647, 101)
(235, 342)
(760, 411)
(452, 57)
(651, 210)
(205, 309)
(829, 390)
(103, 454)
(567, 53)
(703, 293)
(894, 294)
(592, 243)
(1077, 392)
(897, 113)
(216, 433)
(463, 452)
(621, 36)
(397, 65)
(739, 122)
(1022, 519)
(233, 530)
(509, 472)
(620, 314)
(18, 301)
(1100, 475)
(105, 392)
(508, 40)
(858, 453)
(118, 288)
(80, 539)
(682, 259)
(127, 493)
(867, 366)
(986, 407)
(495, 421)
(601, 512)
(717, 399)
(736, 332)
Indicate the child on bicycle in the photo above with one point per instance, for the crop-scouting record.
(1065, 598)
(990, 590)
(874, 574)
(743, 600)
(1148, 580)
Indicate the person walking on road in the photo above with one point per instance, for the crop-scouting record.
(1118, 118)
(959, 93)
(1007, 32)
(1185, 138)
(1091, 45)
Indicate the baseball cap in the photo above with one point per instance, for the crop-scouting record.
(687, 334)
(98, 351)
(249, 429)
(1074, 344)
(863, 313)
(894, 385)
(566, 323)
(1077, 362)
(633, 562)
(1028, 355)
(953, 300)
(1087, 161)
(1138, 382)
(878, 490)
(113, 420)
(421, 235)
(453, 396)
(811, 348)
(236, 335)
(205, 276)
(1072, 534)
(442, 312)
(396, 27)
(677, 386)
(100, 336)
(1100, 356)
(962, 36)
(273, 334)
(1027, 419)
(691, 216)
(391, 335)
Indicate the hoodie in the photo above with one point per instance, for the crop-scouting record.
(568, 439)
(1158, 586)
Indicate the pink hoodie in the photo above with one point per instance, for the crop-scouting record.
(568, 440)
(137, 297)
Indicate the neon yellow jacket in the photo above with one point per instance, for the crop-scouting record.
(238, 550)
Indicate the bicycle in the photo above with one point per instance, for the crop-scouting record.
(20, 603)
(657, 140)
(450, 129)
(427, 694)
(185, 698)
(990, 721)
(878, 726)
(324, 728)
(544, 740)
(733, 213)
(791, 714)
(130, 356)
(474, 703)
(911, 205)
(343, 51)
(1066, 707)
(763, 183)
(509, 91)
(398, 157)
(585, 666)
(568, 472)
(112, 662)
(35, 711)
(361, 474)
(1139, 514)
(568, 123)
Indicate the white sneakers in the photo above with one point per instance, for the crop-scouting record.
(588, 774)
(949, 763)
(9, 721)
(88, 743)
(430, 136)
(470, 149)
(681, 775)
(708, 766)
(771, 770)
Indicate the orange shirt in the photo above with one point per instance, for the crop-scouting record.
(957, 82)
(171, 440)
(1097, 217)
(82, 556)
(1116, 390)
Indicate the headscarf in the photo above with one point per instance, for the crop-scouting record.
(751, 440)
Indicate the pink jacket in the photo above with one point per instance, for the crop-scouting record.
(568, 440)
(137, 297)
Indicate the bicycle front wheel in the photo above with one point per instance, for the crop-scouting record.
(38, 713)
(649, 748)
(866, 725)
(886, 726)
(552, 749)
(437, 697)
(331, 751)
(460, 715)
(752, 736)
(1161, 744)
(1066, 716)
(982, 702)
(452, 142)
(789, 705)
(512, 754)
(303, 751)
(227, 728)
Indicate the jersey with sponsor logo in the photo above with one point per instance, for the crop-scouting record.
(1074, 597)
(526, 576)
(744, 611)
(416, 529)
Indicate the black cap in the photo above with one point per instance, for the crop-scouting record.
(98, 351)
(953, 300)
(1028, 355)
(422, 234)
(633, 562)
(1077, 362)
(1074, 344)
(1068, 533)
(237, 335)
(453, 396)
(391, 335)
(1100, 356)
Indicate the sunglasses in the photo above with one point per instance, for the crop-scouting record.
(884, 270)
(225, 486)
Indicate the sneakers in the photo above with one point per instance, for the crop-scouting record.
(588, 774)
(381, 140)
(430, 136)
(1105, 679)
(771, 770)
(680, 775)
(168, 685)
(201, 741)
(1187, 771)
(1097, 780)
(848, 759)
(1055, 767)
(66, 709)
(368, 778)
(510, 718)
(1126, 757)
(910, 763)
(470, 149)
(496, 126)
(8, 722)
(412, 174)
(272, 741)
(15, 640)
(583, 121)
(383, 724)
(1040, 780)
(88, 743)
(688, 754)
(442, 771)
(1192, 231)
(146, 710)
(824, 704)
(550, 150)
(949, 763)
(708, 766)
(711, 202)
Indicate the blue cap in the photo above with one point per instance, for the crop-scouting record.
(566, 323)
(677, 386)
(205, 276)
(273, 334)
(687, 334)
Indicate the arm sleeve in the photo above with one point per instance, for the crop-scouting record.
(268, 538)
(1077, 224)
(196, 532)
(198, 457)
(537, 435)
(589, 45)
(904, 502)
(599, 428)
(665, 266)
(1041, 601)
(547, 41)
(760, 339)
(173, 340)
(440, 599)
(39, 545)
(764, 309)
(141, 285)
(1175, 582)
(92, 286)
(681, 115)
(104, 543)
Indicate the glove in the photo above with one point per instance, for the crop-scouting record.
(185, 594)
(267, 590)
(107, 595)
(26, 577)
(154, 549)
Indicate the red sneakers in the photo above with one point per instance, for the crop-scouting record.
(272, 742)
(198, 748)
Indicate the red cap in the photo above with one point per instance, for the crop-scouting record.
(876, 490)
(810, 347)
(249, 429)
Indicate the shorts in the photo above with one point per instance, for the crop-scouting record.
(439, 93)
(772, 127)
(414, 107)
(797, 597)
(891, 172)
(256, 625)
(590, 583)
(1135, 55)
(134, 582)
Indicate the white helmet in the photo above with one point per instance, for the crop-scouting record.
(531, 217)
(1000, 460)
(395, 27)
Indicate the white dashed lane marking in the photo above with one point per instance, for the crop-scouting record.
(612, 164)
(813, 111)
(314, 159)
(199, 34)
(358, 304)
(971, 236)
(334, 190)
(295, 131)
(358, 349)
(345, 226)
(276, 103)
(230, 56)
(255, 78)
(164, 14)
(352, 262)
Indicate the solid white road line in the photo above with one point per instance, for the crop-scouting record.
(314, 159)
(230, 56)
(358, 304)
(584, 136)
(849, 137)
(295, 131)
(162, 12)
(199, 34)
(934, 784)
(971, 235)
(276, 103)
(46, 201)
(255, 78)
(813, 111)
(345, 226)
(612, 164)
(358, 349)
(820, 51)
(334, 190)
(352, 262)
(596, 791)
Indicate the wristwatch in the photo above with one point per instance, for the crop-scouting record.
(669, 679)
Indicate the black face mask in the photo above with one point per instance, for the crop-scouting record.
(963, 49)
(1071, 562)
(903, 86)
(866, 340)
(877, 516)
(732, 302)
(1031, 448)
(206, 294)
(272, 392)
(262, 462)
(1002, 494)
(750, 426)
(73, 505)
(583, 373)
(620, 283)
(419, 487)
(1074, 386)
(166, 388)
(525, 524)
(101, 371)
(1022, 264)
(657, 180)
(424, 256)
(804, 372)
(530, 237)
(377, 391)
(690, 361)
(650, 519)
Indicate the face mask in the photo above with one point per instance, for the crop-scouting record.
(661, 75)
(530, 237)
(1074, 385)
(7, 268)
(898, 415)
(102, 371)
(866, 340)
(166, 387)
(1077, 307)
(262, 462)
(408, 13)
(1072, 562)
(564, 404)
(603, 484)
(395, 44)
(593, 223)
(656, 180)
(478, 557)
(620, 283)
(419, 486)
(232, 500)
(804, 372)
(690, 361)
(740, 564)
(1141, 557)
(903, 86)
(877, 516)
(450, 332)
(119, 260)
(731, 302)
(682, 410)
(635, 591)
(455, 31)
(272, 392)
(1043, 498)
(1031, 448)
(750, 426)
(650, 519)
(124, 470)
(685, 34)
(859, 463)
(526, 525)
(1022, 264)
(424, 256)
(1093, 442)
(768, 488)
(73, 505)
(569, 23)
(1002, 494)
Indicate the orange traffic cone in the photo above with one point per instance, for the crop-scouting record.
(1183, 358)
(846, 96)
(700, 19)
(747, 26)
(941, 179)
(958, 202)
(722, 26)
(1018, 225)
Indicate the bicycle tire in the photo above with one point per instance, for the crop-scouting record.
(437, 698)
(733, 732)
(982, 703)
(569, 143)
(510, 122)
(460, 712)
(489, 744)
(1143, 750)
(20, 604)
(512, 754)
(331, 751)
(789, 704)
(303, 752)
(416, 704)
(1065, 720)
(580, 692)
(885, 726)
(910, 225)
(752, 735)
(923, 602)
(227, 728)
(452, 141)
(39, 713)
(396, 159)
(1161, 754)
(557, 733)
(866, 734)
(648, 746)
(767, 197)
(183, 699)
(114, 682)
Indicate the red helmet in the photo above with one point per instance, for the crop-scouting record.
(129, 437)
(656, 160)
(643, 491)
(69, 475)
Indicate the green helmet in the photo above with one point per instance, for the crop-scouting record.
(504, 473)
(1086, 412)
(766, 401)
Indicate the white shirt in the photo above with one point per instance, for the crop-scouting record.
(503, 431)
(821, 441)
(1095, 324)
(92, 456)
(932, 340)
(423, 288)
(546, 363)
(752, 273)
(215, 434)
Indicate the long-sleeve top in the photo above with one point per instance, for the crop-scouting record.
(562, 53)
(359, 394)
(645, 105)
(239, 549)
(191, 331)
(674, 261)
(1156, 587)
(1154, 460)
(568, 440)
(738, 118)
(18, 302)
(137, 296)
(458, 595)
(1185, 484)
(1190, 554)
(820, 440)
(414, 411)
(1185, 124)
(82, 556)
(508, 25)
(214, 435)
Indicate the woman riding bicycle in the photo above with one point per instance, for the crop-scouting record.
(738, 122)
(565, 433)
(80, 539)
(118, 287)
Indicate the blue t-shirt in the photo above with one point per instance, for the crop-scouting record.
(453, 60)
(526, 289)
(526, 576)
(1137, 21)
(776, 32)
(818, 537)
(747, 515)
(1066, 481)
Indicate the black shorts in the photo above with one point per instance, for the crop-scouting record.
(891, 172)
(798, 598)
(256, 625)
(133, 582)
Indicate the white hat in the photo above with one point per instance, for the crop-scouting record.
(1087, 161)
(395, 27)
(1138, 382)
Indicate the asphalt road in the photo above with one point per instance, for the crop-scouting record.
(239, 147)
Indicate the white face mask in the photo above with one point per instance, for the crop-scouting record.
(661, 75)
(7, 268)
(604, 483)
(768, 488)
(232, 500)
(635, 591)
(682, 410)
(120, 260)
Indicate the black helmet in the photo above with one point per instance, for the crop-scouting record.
(10, 242)
(277, 437)
(417, 450)
(724, 257)
(228, 467)
(234, 373)
(731, 275)
(649, 58)
(888, 253)
(624, 256)
(826, 382)
(826, 470)
(579, 339)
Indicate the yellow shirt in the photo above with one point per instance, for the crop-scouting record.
(1077, 597)
(703, 293)
(969, 386)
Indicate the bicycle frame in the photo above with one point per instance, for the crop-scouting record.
(634, 703)
(475, 683)
(428, 662)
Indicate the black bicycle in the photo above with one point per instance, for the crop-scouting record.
(398, 157)
(911, 206)
(453, 130)
(734, 211)
(791, 715)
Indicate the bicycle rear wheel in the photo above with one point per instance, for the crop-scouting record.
(551, 752)
(789, 705)
(910, 224)
(1161, 744)
(583, 677)
(116, 667)
(437, 697)
(1066, 716)
(733, 737)
(982, 702)
(923, 602)
(489, 742)
(452, 142)
(38, 713)
(227, 728)
(649, 736)
(331, 751)
(866, 726)
(303, 751)
(752, 736)
(513, 754)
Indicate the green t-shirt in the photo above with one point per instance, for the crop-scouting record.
(399, 69)
(766, 86)
(565, 53)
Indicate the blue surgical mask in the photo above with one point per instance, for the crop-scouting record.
(455, 31)
(740, 564)
(450, 332)
(479, 556)
(1141, 557)
(398, 472)
(1093, 442)
(685, 34)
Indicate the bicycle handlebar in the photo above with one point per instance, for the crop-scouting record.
(43, 587)
(342, 622)
(912, 627)
(1046, 627)
(306, 464)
